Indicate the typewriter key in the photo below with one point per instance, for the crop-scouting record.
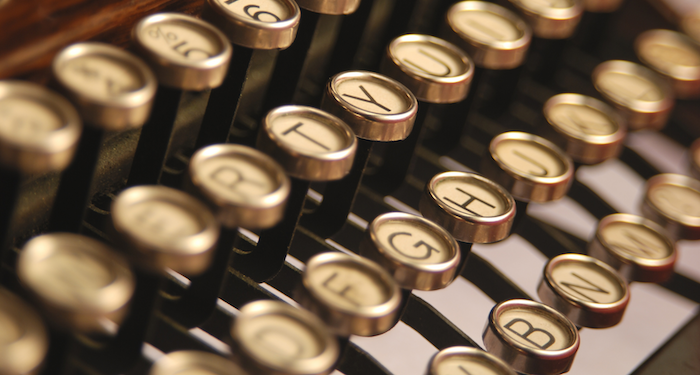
(23, 338)
(311, 145)
(498, 40)
(254, 27)
(643, 98)
(187, 54)
(466, 360)
(530, 167)
(472, 208)
(587, 291)
(591, 131)
(493, 36)
(184, 52)
(163, 227)
(551, 19)
(673, 201)
(531, 337)
(39, 132)
(378, 109)
(674, 56)
(437, 72)
(352, 294)
(418, 253)
(637, 248)
(112, 90)
(192, 362)
(275, 338)
(246, 188)
(81, 282)
(39, 129)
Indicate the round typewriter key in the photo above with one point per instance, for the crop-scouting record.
(417, 253)
(434, 70)
(185, 52)
(248, 188)
(267, 24)
(637, 248)
(551, 19)
(352, 294)
(23, 337)
(592, 131)
(330, 6)
(166, 227)
(674, 56)
(376, 108)
(587, 291)
(39, 129)
(471, 207)
(276, 338)
(112, 89)
(192, 362)
(466, 360)
(493, 36)
(310, 144)
(642, 96)
(531, 337)
(81, 282)
(673, 201)
(530, 167)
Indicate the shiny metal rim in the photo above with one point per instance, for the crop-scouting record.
(586, 101)
(689, 222)
(518, 23)
(473, 354)
(629, 68)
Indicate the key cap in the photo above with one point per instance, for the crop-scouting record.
(378, 109)
(162, 227)
(194, 362)
(466, 360)
(79, 281)
(39, 132)
(587, 291)
(437, 72)
(469, 206)
(674, 56)
(498, 40)
(311, 145)
(112, 90)
(271, 337)
(418, 253)
(640, 95)
(637, 248)
(351, 294)
(530, 167)
(531, 337)
(673, 201)
(23, 337)
(587, 129)
(187, 54)
(245, 188)
(255, 27)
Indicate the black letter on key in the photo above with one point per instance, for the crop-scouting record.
(471, 199)
(369, 99)
(576, 289)
(417, 245)
(534, 162)
(530, 331)
(340, 292)
(639, 246)
(295, 128)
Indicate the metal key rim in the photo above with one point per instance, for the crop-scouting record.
(475, 354)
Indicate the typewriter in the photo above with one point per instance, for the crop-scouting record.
(459, 113)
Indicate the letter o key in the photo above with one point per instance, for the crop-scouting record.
(531, 337)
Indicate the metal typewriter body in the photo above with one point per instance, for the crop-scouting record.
(661, 334)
